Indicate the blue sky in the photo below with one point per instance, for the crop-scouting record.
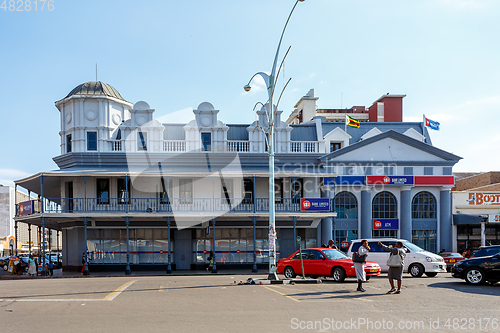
(443, 54)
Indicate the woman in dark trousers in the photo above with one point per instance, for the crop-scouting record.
(395, 273)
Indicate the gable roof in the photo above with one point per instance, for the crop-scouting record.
(398, 137)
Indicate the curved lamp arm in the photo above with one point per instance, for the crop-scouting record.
(263, 75)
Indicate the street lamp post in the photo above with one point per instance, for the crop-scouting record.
(270, 81)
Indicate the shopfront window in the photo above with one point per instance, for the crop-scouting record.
(424, 206)
(232, 245)
(426, 239)
(384, 206)
(346, 205)
(147, 246)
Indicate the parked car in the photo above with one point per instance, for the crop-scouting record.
(4, 263)
(323, 262)
(417, 261)
(478, 270)
(451, 258)
(486, 251)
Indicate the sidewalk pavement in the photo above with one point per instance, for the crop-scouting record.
(59, 273)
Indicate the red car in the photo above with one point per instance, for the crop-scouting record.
(323, 262)
(450, 258)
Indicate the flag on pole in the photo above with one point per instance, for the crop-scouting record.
(351, 122)
(431, 123)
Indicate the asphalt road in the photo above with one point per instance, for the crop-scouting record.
(216, 304)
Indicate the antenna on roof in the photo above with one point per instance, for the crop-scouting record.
(96, 71)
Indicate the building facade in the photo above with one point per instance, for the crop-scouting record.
(476, 210)
(135, 191)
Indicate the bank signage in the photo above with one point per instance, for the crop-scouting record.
(315, 204)
(26, 207)
(484, 198)
(389, 180)
(494, 218)
(385, 224)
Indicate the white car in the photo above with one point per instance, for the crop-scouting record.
(417, 261)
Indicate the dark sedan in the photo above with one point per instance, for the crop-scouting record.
(478, 270)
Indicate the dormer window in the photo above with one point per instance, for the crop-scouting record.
(92, 141)
(68, 143)
(334, 146)
(142, 140)
(206, 141)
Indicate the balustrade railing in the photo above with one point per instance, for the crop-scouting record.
(304, 147)
(166, 205)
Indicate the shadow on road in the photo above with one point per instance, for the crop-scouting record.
(462, 286)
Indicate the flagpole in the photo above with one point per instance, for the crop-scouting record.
(345, 127)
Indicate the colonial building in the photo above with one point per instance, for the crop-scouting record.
(138, 193)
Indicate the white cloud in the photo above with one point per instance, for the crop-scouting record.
(8, 176)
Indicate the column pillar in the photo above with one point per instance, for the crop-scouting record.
(295, 233)
(326, 224)
(405, 226)
(254, 268)
(214, 268)
(42, 210)
(445, 219)
(366, 213)
(29, 239)
(86, 269)
(169, 266)
(127, 269)
(483, 233)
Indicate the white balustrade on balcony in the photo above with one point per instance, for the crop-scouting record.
(304, 146)
(238, 146)
(174, 145)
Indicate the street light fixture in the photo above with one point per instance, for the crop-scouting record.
(270, 81)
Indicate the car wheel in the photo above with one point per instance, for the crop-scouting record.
(431, 274)
(368, 277)
(338, 274)
(5, 267)
(474, 276)
(289, 272)
(416, 270)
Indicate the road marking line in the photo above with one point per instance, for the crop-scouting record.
(118, 291)
(161, 288)
(296, 300)
(111, 296)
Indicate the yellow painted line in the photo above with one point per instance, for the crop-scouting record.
(296, 300)
(161, 288)
(111, 296)
(117, 292)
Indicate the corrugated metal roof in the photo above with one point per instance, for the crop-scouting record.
(95, 88)
(174, 132)
(237, 132)
(304, 133)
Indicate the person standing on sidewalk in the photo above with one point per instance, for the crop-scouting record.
(359, 266)
(397, 259)
(32, 266)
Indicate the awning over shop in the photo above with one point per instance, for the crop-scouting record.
(466, 219)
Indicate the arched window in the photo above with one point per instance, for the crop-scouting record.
(346, 205)
(384, 206)
(424, 206)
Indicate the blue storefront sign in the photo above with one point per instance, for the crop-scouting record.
(344, 180)
(389, 180)
(26, 207)
(385, 224)
(314, 204)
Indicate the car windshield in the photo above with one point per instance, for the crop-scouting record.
(334, 254)
(457, 255)
(413, 247)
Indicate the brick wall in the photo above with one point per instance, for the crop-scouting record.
(480, 180)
